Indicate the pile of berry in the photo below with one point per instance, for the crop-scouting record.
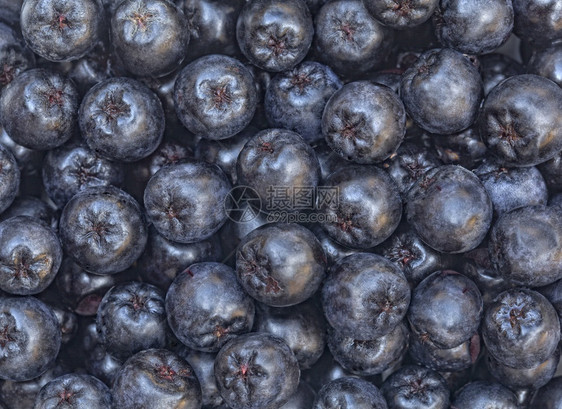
(280, 204)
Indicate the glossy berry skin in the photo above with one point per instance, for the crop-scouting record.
(368, 207)
(464, 148)
(206, 307)
(256, 370)
(402, 14)
(369, 357)
(97, 65)
(29, 164)
(28, 160)
(98, 362)
(538, 21)
(224, 152)
(550, 395)
(552, 173)
(163, 259)
(164, 88)
(302, 326)
(415, 258)
(325, 370)
(215, 96)
(157, 379)
(243, 220)
(74, 391)
(275, 35)
(9, 178)
(280, 264)
(30, 255)
(456, 359)
(15, 58)
(449, 209)
(261, 80)
(103, 230)
(510, 188)
(295, 99)
(38, 109)
(203, 364)
(21, 395)
(553, 293)
(482, 395)
(67, 320)
(61, 30)
(102, 365)
(303, 398)
(355, 392)
(531, 378)
(212, 26)
(30, 338)
(547, 62)
(333, 250)
(33, 207)
(466, 26)
(519, 120)
(496, 67)
(121, 120)
(81, 291)
(329, 160)
(389, 77)
(446, 308)
(409, 164)
(132, 317)
(348, 39)
(477, 266)
(524, 245)
(521, 328)
(262, 165)
(169, 152)
(186, 201)
(431, 93)
(372, 309)
(73, 167)
(416, 387)
(364, 122)
(150, 36)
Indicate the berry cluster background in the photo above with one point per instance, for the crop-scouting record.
(280, 204)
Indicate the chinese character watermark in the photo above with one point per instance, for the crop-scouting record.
(285, 204)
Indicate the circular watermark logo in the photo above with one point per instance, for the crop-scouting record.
(242, 204)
